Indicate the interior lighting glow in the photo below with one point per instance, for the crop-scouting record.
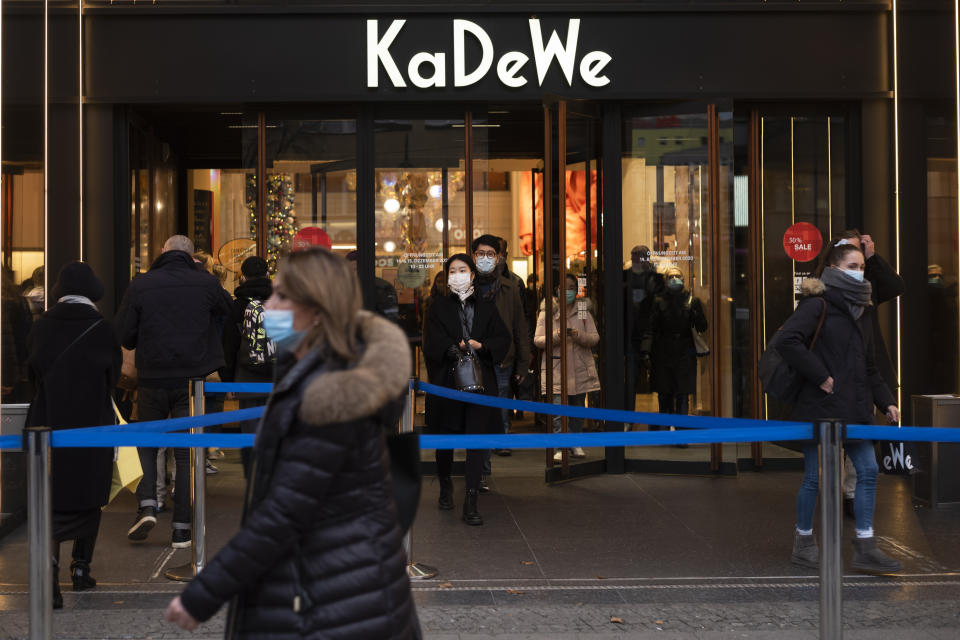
(391, 205)
(389, 246)
(436, 191)
(896, 188)
(439, 225)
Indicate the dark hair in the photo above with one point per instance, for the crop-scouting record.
(572, 278)
(830, 255)
(462, 257)
(837, 253)
(254, 267)
(489, 240)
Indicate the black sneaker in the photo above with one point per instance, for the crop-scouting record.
(181, 539)
(145, 521)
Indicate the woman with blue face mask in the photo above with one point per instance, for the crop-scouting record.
(582, 337)
(841, 381)
(668, 344)
(320, 493)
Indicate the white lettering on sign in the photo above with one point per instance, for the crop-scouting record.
(510, 65)
(379, 51)
(460, 77)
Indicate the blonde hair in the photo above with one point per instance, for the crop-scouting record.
(327, 284)
(211, 266)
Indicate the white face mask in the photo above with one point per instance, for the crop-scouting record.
(856, 274)
(458, 282)
(486, 264)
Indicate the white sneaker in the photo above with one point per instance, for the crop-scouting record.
(558, 456)
(577, 452)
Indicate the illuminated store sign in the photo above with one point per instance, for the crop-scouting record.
(429, 69)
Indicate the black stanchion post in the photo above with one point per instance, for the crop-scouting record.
(39, 529)
(415, 570)
(198, 494)
(831, 518)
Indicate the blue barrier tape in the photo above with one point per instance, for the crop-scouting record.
(237, 387)
(10, 442)
(75, 438)
(613, 438)
(907, 434)
(609, 415)
(175, 424)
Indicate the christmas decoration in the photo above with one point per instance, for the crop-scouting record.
(281, 221)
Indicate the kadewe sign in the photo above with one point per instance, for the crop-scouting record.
(477, 54)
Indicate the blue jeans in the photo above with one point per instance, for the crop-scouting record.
(575, 425)
(503, 390)
(861, 453)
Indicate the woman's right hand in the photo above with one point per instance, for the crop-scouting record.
(827, 385)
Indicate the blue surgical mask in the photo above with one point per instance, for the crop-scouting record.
(571, 296)
(856, 274)
(675, 284)
(278, 323)
(486, 264)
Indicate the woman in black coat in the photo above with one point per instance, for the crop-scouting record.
(840, 380)
(320, 552)
(444, 339)
(74, 363)
(668, 341)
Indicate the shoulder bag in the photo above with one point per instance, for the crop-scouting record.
(777, 377)
(467, 373)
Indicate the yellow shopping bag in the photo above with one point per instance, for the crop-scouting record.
(126, 465)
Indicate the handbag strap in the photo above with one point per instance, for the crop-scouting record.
(823, 316)
(463, 330)
(69, 346)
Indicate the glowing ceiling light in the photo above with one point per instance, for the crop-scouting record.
(439, 225)
(391, 205)
(436, 191)
(389, 246)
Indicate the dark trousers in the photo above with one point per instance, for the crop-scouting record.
(474, 465)
(160, 404)
(676, 403)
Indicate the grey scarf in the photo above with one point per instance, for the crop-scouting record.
(856, 294)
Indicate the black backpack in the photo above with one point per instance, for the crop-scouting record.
(777, 377)
(256, 350)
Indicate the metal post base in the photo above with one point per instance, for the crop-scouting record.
(183, 573)
(420, 571)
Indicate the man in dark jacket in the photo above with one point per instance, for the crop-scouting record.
(249, 354)
(504, 291)
(169, 315)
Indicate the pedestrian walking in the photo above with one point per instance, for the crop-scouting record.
(249, 354)
(582, 337)
(495, 283)
(169, 315)
(319, 553)
(75, 362)
(840, 380)
(886, 285)
(669, 345)
(462, 325)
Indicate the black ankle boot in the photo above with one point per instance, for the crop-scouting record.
(57, 596)
(445, 501)
(470, 514)
(80, 575)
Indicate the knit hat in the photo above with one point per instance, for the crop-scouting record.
(78, 279)
(254, 267)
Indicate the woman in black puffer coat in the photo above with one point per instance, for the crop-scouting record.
(320, 552)
(840, 381)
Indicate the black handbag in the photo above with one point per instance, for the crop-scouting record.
(777, 377)
(467, 373)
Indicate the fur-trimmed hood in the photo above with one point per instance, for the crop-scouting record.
(812, 287)
(379, 376)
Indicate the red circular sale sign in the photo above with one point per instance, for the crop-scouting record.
(802, 242)
(310, 237)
